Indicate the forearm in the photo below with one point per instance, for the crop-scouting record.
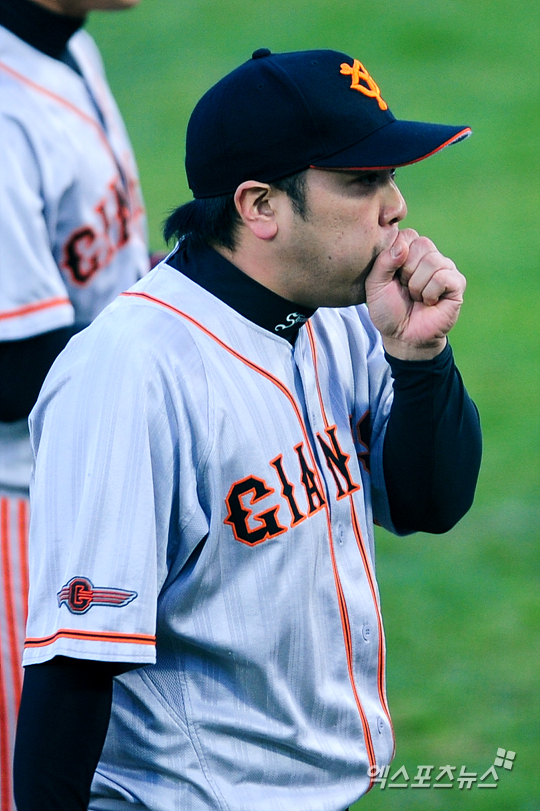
(432, 447)
(63, 720)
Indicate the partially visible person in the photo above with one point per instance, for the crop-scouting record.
(72, 237)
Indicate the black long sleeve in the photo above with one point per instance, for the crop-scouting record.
(63, 720)
(432, 447)
(23, 367)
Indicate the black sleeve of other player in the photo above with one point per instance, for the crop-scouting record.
(23, 367)
(63, 719)
(433, 445)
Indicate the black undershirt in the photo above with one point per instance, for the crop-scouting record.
(245, 295)
(431, 461)
(45, 30)
(23, 367)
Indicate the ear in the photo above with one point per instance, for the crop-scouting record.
(254, 203)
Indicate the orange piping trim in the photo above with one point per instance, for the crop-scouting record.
(43, 90)
(381, 670)
(275, 380)
(27, 309)
(315, 365)
(23, 552)
(70, 633)
(365, 559)
(456, 137)
(5, 754)
(7, 573)
(367, 732)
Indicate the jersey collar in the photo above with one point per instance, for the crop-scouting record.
(224, 280)
(39, 27)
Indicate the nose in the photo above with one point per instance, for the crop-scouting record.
(393, 207)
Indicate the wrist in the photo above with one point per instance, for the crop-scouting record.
(405, 351)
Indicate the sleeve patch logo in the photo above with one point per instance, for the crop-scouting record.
(79, 595)
(358, 72)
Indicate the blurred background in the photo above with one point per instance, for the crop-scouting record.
(462, 610)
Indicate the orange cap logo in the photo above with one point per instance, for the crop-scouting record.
(358, 72)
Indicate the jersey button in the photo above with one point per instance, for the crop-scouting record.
(380, 726)
(366, 632)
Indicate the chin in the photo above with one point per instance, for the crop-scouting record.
(350, 301)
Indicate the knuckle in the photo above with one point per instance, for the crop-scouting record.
(424, 245)
(409, 233)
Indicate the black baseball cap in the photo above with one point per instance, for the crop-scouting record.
(278, 114)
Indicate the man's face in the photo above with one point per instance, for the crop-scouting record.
(80, 8)
(351, 217)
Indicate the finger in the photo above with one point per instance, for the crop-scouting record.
(430, 264)
(444, 284)
(388, 262)
(409, 235)
(419, 249)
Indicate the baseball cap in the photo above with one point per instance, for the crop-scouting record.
(278, 114)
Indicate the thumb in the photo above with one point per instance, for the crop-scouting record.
(388, 262)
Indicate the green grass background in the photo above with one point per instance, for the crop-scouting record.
(461, 610)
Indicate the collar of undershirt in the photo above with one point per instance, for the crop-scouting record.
(39, 27)
(245, 295)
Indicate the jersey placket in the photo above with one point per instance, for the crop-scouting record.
(346, 544)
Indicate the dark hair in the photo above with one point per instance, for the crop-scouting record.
(215, 220)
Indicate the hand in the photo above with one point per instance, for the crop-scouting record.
(414, 295)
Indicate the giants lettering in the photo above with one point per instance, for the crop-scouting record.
(337, 461)
(287, 491)
(239, 514)
(309, 480)
(362, 436)
(254, 529)
(89, 249)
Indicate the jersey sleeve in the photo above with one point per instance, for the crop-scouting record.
(105, 444)
(33, 296)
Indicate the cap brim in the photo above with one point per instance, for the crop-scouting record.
(398, 143)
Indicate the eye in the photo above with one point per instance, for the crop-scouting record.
(376, 178)
(370, 178)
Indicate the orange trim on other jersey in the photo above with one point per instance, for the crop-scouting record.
(63, 102)
(5, 747)
(5, 679)
(90, 636)
(9, 600)
(22, 509)
(28, 309)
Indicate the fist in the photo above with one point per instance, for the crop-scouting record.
(414, 295)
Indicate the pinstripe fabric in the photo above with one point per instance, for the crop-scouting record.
(13, 595)
(214, 469)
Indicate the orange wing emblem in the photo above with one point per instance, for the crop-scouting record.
(358, 72)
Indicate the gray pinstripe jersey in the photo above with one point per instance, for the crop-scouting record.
(218, 477)
(73, 228)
